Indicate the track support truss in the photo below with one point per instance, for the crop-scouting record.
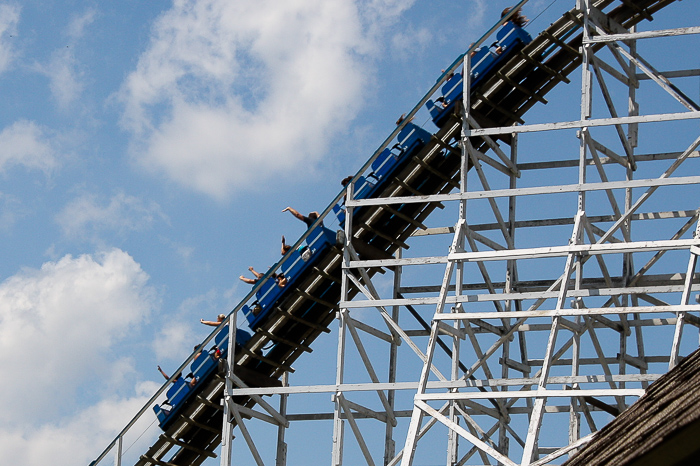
(567, 286)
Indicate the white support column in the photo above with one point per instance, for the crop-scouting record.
(338, 423)
(453, 438)
(530, 449)
(389, 443)
(227, 429)
(685, 299)
(281, 457)
(118, 453)
(586, 99)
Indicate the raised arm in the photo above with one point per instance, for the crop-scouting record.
(294, 212)
(163, 373)
(285, 247)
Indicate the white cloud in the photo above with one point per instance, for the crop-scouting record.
(231, 93)
(58, 326)
(9, 17)
(122, 213)
(26, 143)
(78, 438)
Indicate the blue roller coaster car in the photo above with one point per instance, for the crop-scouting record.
(510, 39)
(206, 363)
(318, 241)
(411, 139)
(202, 368)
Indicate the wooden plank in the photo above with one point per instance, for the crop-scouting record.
(209, 403)
(462, 432)
(434, 171)
(402, 216)
(355, 430)
(552, 72)
(541, 394)
(478, 96)
(286, 341)
(315, 299)
(553, 189)
(187, 446)
(199, 425)
(247, 437)
(326, 275)
(269, 361)
(417, 193)
(568, 312)
(155, 461)
(305, 322)
(373, 331)
(387, 237)
(522, 89)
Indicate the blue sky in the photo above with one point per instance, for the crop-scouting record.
(146, 152)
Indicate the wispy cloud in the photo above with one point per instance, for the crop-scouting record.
(76, 28)
(63, 69)
(28, 144)
(87, 215)
(64, 78)
(477, 12)
(182, 330)
(9, 17)
(231, 93)
(411, 41)
(10, 210)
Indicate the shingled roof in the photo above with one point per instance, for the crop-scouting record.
(661, 428)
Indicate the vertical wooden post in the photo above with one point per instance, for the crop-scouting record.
(227, 427)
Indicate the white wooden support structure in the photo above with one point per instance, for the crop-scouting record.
(513, 340)
(588, 241)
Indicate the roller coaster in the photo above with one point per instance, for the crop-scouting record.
(385, 206)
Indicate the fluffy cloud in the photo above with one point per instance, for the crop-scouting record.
(77, 439)
(58, 326)
(230, 93)
(121, 214)
(26, 143)
(9, 16)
